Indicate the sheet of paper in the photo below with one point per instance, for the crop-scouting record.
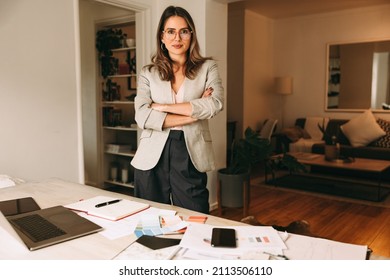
(140, 252)
(249, 238)
(322, 249)
(123, 227)
(113, 229)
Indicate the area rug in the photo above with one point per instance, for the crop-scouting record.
(353, 193)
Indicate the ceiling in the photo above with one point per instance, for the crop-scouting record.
(277, 9)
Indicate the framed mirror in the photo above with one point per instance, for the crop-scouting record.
(358, 76)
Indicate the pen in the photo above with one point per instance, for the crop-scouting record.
(173, 253)
(107, 203)
(277, 257)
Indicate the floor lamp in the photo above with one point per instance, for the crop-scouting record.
(283, 86)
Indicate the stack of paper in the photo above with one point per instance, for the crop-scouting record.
(249, 239)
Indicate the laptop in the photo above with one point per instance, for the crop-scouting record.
(39, 228)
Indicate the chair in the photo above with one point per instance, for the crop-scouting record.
(268, 128)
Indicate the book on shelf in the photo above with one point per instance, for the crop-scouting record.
(116, 148)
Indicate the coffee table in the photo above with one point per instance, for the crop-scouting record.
(335, 177)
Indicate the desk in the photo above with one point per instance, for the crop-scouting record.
(95, 246)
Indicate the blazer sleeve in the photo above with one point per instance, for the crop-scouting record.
(206, 108)
(145, 116)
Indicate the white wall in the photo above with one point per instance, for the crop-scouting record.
(40, 108)
(215, 29)
(300, 51)
(39, 104)
(259, 99)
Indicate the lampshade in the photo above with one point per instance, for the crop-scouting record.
(283, 85)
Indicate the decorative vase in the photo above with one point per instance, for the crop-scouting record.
(331, 152)
(124, 176)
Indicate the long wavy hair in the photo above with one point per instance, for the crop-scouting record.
(161, 59)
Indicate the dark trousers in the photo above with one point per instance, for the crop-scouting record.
(174, 180)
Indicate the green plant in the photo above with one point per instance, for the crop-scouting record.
(106, 40)
(247, 152)
(251, 150)
(284, 161)
(329, 139)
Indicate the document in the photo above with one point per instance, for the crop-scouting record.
(249, 239)
(106, 207)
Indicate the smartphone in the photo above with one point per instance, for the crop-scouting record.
(223, 237)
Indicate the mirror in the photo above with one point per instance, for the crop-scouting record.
(358, 76)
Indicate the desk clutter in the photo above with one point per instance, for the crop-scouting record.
(157, 231)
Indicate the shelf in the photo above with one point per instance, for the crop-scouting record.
(118, 183)
(122, 76)
(117, 102)
(117, 127)
(123, 49)
(121, 154)
(126, 128)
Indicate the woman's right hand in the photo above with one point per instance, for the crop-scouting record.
(207, 92)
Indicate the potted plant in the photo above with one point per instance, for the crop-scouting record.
(332, 147)
(246, 153)
(106, 40)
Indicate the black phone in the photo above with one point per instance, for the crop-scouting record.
(223, 237)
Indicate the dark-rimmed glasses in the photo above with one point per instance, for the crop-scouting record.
(171, 33)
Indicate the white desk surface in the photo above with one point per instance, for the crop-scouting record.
(95, 246)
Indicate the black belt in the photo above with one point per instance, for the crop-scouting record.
(176, 134)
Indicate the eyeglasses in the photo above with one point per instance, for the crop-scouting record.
(171, 33)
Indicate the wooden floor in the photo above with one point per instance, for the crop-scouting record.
(344, 220)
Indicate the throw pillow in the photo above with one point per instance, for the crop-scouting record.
(311, 126)
(384, 141)
(295, 133)
(362, 129)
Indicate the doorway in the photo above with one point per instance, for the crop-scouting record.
(92, 13)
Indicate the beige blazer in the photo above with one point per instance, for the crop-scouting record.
(197, 135)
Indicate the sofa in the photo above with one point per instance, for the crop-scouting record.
(372, 151)
(376, 149)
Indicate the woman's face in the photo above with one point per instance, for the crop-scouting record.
(176, 37)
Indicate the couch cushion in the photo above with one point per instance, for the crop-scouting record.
(295, 133)
(304, 145)
(384, 141)
(362, 129)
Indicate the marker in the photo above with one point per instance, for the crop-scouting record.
(107, 203)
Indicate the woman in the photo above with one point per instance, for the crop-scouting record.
(176, 95)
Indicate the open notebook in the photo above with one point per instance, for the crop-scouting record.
(106, 207)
